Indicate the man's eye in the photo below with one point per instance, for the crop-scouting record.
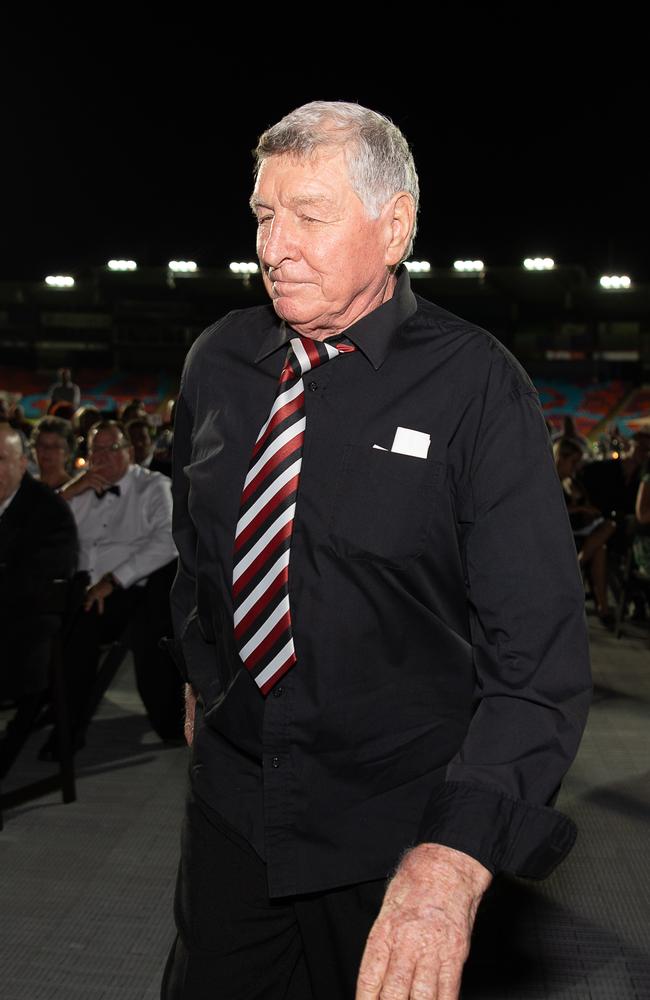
(264, 218)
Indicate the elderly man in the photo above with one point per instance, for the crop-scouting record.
(378, 603)
(38, 544)
(123, 515)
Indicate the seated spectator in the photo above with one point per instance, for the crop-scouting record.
(139, 432)
(569, 431)
(64, 411)
(65, 390)
(38, 544)
(17, 420)
(123, 515)
(613, 484)
(134, 410)
(82, 421)
(165, 438)
(53, 443)
(591, 531)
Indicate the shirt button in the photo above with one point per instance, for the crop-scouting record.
(313, 386)
(275, 761)
(278, 691)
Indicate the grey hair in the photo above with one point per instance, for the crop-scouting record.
(378, 157)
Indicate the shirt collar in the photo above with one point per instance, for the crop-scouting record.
(126, 480)
(372, 334)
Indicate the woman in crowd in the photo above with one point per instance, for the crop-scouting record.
(53, 442)
(591, 531)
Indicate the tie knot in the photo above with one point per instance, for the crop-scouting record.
(304, 354)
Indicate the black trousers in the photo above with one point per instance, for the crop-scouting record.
(146, 611)
(233, 943)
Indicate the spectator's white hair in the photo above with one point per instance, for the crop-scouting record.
(378, 157)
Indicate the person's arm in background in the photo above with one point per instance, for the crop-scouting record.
(642, 508)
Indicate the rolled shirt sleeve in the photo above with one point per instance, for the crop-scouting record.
(530, 643)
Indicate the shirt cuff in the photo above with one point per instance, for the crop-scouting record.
(504, 834)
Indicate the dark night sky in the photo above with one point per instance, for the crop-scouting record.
(124, 142)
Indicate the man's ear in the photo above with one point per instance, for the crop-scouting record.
(401, 219)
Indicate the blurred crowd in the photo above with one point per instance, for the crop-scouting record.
(85, 497)
(607, 493)
(89, 492)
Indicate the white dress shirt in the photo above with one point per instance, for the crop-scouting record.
(129, 536)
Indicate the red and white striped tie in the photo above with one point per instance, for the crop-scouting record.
(263, 535)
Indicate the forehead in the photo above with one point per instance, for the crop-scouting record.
(323, 177)
(107, 436)
(9, 444)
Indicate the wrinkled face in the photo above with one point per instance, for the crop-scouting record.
(12, 464)
(323, 259)
(51, 451)
(110, 454)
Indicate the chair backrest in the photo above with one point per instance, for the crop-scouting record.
(64, 598)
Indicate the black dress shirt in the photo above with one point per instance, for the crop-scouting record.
(442, 678)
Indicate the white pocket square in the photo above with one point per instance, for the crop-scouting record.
(409, 442)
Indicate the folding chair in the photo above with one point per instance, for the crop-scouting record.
(63, 599)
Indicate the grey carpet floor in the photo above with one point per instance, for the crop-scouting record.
(86, 889)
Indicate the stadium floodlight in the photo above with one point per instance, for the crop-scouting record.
(59, 281)
(469, 265)
(417, 266)
(244, 267)
(539, 263)
(615, 281)
(182, 266)
(122, 265)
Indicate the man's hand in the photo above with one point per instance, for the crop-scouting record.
(190, 710)
(98, 593)
(88, 480)
(420, 940)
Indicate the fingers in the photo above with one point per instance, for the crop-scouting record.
(398, 976)
(449, 979)
(373, 967)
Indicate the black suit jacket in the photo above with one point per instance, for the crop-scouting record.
(38, 543)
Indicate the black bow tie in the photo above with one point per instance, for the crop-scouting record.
(109, 489)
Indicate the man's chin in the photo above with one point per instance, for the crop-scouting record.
(294, 314)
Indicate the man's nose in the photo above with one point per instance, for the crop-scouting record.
(279, 244)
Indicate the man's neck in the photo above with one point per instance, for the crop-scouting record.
(352, 315)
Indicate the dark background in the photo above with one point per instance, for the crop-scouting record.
(529, 133)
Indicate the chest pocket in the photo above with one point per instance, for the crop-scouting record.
(384, 503)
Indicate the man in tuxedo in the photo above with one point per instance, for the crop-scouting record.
(123, 516)
(38, 544)
(378, 603)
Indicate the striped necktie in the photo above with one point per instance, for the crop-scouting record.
(262, 616)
